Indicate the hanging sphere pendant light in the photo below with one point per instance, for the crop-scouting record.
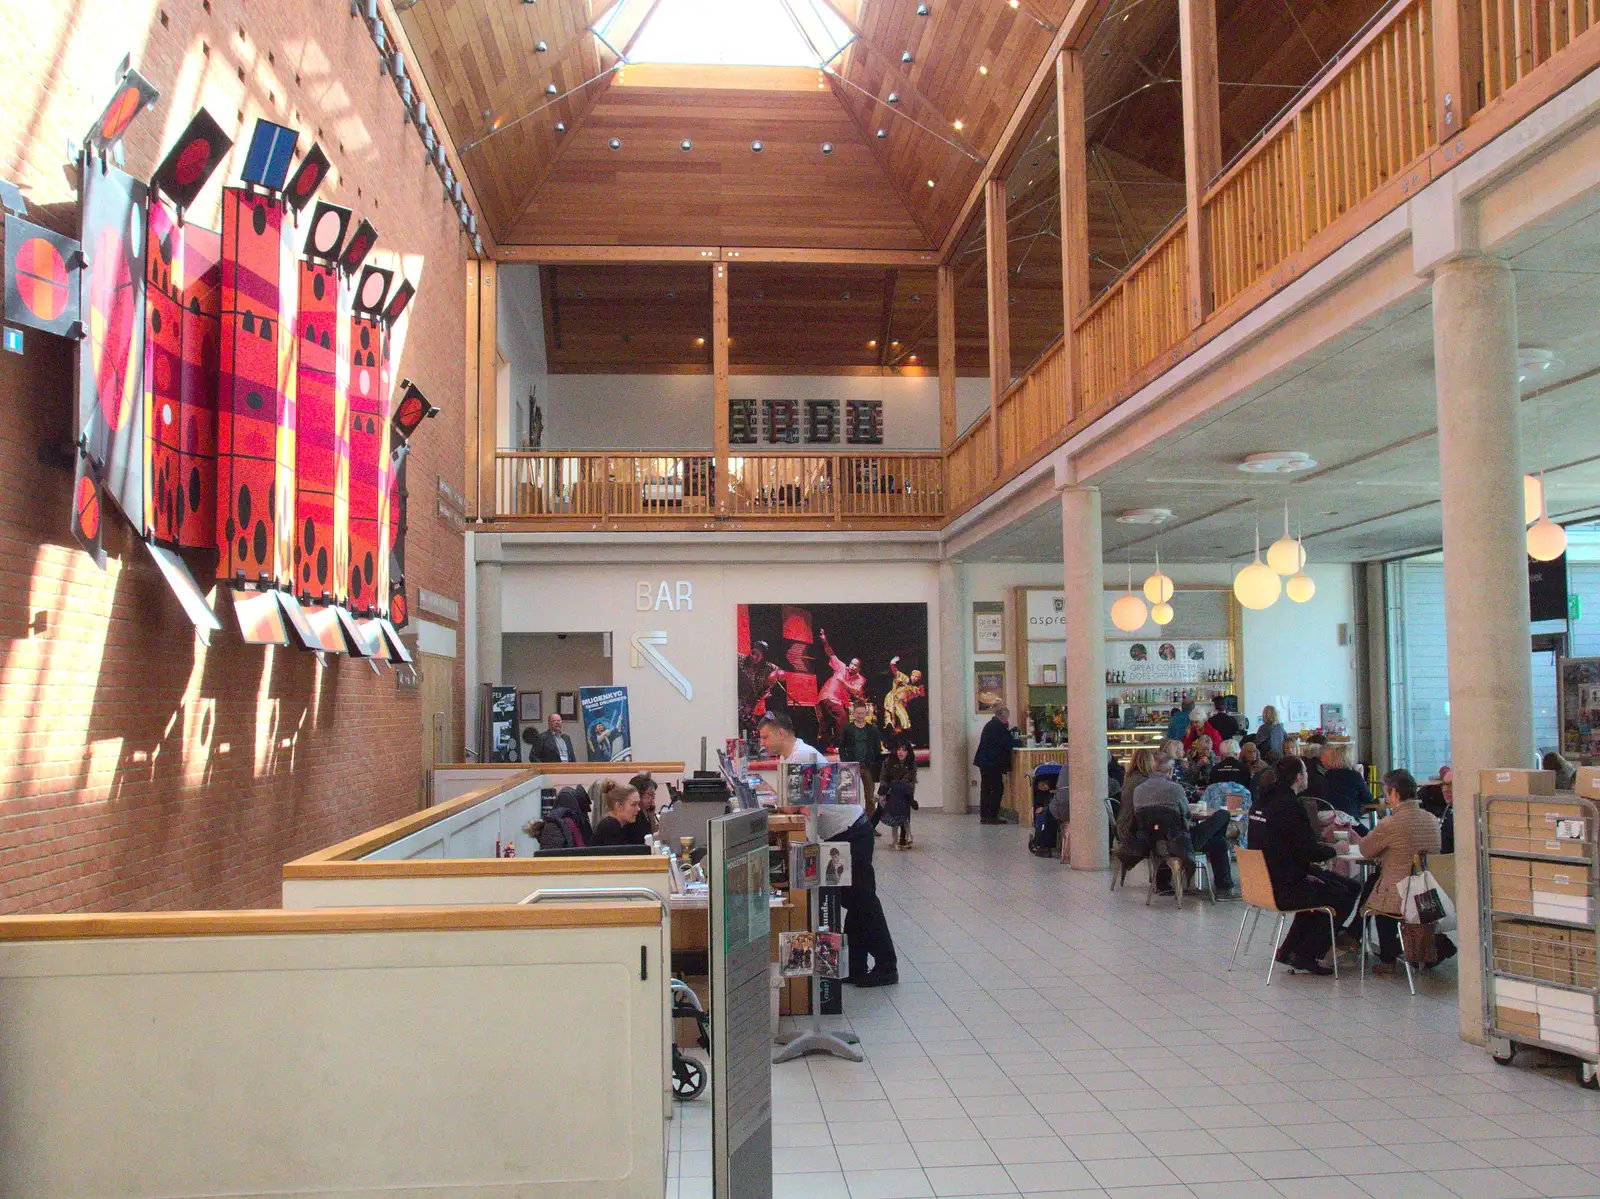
(1286, 556)
(1301, 586)
(1158, 587)
(1257, 586)
(1129, 612)
(1532, 498)
(1547, 540)
(1162, 614)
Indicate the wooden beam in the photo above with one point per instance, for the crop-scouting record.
(488, 405)
(999, 308)
(1074, 184)
(827, 257)
(947, 359)
(469, 469)
(891, 279)
(1202, 140)
(606, 255)
(1074, 30)
(719, 381)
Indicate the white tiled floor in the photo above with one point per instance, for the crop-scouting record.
(1052, 1038)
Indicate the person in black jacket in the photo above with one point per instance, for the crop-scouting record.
(1230, 769)
(863, 744)
(620, 824)
(553, 745)
(1280, 828)
(993, 761)
(1342, 784)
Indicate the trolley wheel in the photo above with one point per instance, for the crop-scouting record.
(1504, 1057)
(1589, 1076)
(688, 1078)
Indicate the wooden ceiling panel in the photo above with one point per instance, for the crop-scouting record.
(651, 192)
(600, 319)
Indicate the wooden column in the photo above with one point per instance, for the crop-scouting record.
(719, 380)
(1202, 139)
(1070, 143)
(994, 197)
(469, 472)
(948, 430)
(488, 398)
(1457, 65)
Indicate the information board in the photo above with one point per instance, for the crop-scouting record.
(741, 1030)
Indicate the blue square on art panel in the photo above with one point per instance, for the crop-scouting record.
(271, 149)
(13, 341)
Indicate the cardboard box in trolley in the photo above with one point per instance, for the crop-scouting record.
(1507, 780)
(1588, 784)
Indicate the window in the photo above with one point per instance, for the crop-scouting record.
(750, 33)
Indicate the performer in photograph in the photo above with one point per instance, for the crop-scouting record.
(757, 678)
(845, 685)
(905, 689)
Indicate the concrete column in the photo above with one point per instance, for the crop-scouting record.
(954, 693)
(487, 602)
(1485, 561)
(1084, 579)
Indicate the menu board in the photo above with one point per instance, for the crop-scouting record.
(864, 422)
(1168, 660)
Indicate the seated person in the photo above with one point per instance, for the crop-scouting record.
(1566, 772)
(1250, 758)
(570, 810)
(1282, 831)
(1199, 730)
(1208, 836)
(1405, 832)
(1231, 768)
(1131, 850)
(646, 820)
(1342, 784)
(620, 823)
(1431, 799)
(1195, 770)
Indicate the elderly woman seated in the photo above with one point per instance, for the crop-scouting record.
(1400, 836)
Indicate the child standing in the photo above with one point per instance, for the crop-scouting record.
(898, 785)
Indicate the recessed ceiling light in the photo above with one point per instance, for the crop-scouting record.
(615, 143)
(686, 145)
(699, 341)
(540, 47)
(755, 147)
(982, 70)
(905, 56)
(913, 358)
(883, 133)
(561, 126)
(873, 344)
(1277, 462)
(672, 295)
(1145, 516)
(894, 97)
(1535, 363)
(916, 297)
(550, 89)
(844, 296)
(827, 147)
(958, 126)
(930, 183)
(922, 10)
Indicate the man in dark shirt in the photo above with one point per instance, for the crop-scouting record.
(553, 745)
(1281, 830)
(993, 761)
(1226, 724)
(1230, 769)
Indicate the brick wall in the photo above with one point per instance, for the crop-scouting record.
(138, 768)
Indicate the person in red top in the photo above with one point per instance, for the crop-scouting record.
(835, 697)
(1199, 728)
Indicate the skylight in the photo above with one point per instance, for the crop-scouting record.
(749, 33)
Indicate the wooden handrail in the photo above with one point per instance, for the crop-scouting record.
(972, 430)
(1021, 380)
(1179, 223)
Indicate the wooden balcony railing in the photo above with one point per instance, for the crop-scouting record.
(969, 468)
(644, 489)
(1519, 36)
(1036, 407)
(1139, 316)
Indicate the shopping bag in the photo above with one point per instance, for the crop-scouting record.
(1423, 901)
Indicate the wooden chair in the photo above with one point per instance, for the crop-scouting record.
(1256, 886)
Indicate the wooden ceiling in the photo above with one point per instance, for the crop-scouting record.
(541, 186)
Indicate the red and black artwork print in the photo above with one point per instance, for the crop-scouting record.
(192, 160)
(308, 176)
(197, 387)
(248, 398)
(86, 510)
(366, 450)
(398, 613)
(317, 435)
(111, 356)
(134, 94)
(41, 282)
(163, 356)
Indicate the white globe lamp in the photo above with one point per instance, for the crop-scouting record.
(1158, 587)
(1257, 586)
(1162, 614)
(1547, 540)
(1286, 556)
(1129, 612)
(1300, 587)
(1532, 498)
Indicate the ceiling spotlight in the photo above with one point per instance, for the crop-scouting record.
(1014, 3)
(905, 56)
(615, 143)
(561, 126)
(922, 10)
(930, 183)
(699, 341)
(540, 47)
(982, 70)
(873, 344)
(686, 145)
(755, 147)
(549, 89)
(894, 97)
(916, 297)
(883, 133)
(827, 147)
(913, 358)
(1278, 462)
(958, 126)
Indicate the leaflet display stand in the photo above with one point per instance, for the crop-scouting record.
(817, 1039)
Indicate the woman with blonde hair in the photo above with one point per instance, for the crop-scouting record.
(1342, 784)
(620, 825)
(1270, 734)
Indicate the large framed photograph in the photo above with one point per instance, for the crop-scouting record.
(567, 705)
(530, 706)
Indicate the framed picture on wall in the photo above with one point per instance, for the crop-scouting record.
(988, 627)
(988, 686)
(530, 706)
(567, 705)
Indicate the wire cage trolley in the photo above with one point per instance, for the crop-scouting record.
(1537, 873)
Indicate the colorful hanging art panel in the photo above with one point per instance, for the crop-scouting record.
(398, 613)
(191, 161)
(367, 368)
(163, 370)
(318, 431)
(133, 95)
(111, 355)
(198, 381)
(41, 277)
(249, 398)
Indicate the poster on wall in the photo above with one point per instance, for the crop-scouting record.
(1168, 660)
(989, 686)
(988, 627)
(813, 661)
(1580, 709)
(605, 723)
(503, 725)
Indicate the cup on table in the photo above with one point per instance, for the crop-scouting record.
(1341, 836)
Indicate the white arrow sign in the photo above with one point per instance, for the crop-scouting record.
(645, 644)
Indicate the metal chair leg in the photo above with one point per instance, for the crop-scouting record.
(1366, 927)
(1333, 943)
(1250, 936)
(1404, 957)
(1277, 940)
(1243, 920)
(1177, 880)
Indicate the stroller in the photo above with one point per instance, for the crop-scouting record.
(688, 1075)
(1045, 840)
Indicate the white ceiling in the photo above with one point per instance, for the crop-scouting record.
(1362, 406)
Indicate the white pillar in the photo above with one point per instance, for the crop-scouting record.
(1084, 579)
(491, 661)
(1485, 562)
(954, 694)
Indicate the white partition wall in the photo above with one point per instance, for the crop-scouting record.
(334, 1053)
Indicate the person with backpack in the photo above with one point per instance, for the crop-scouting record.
(565, 822)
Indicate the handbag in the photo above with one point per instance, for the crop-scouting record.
(1422, 900)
